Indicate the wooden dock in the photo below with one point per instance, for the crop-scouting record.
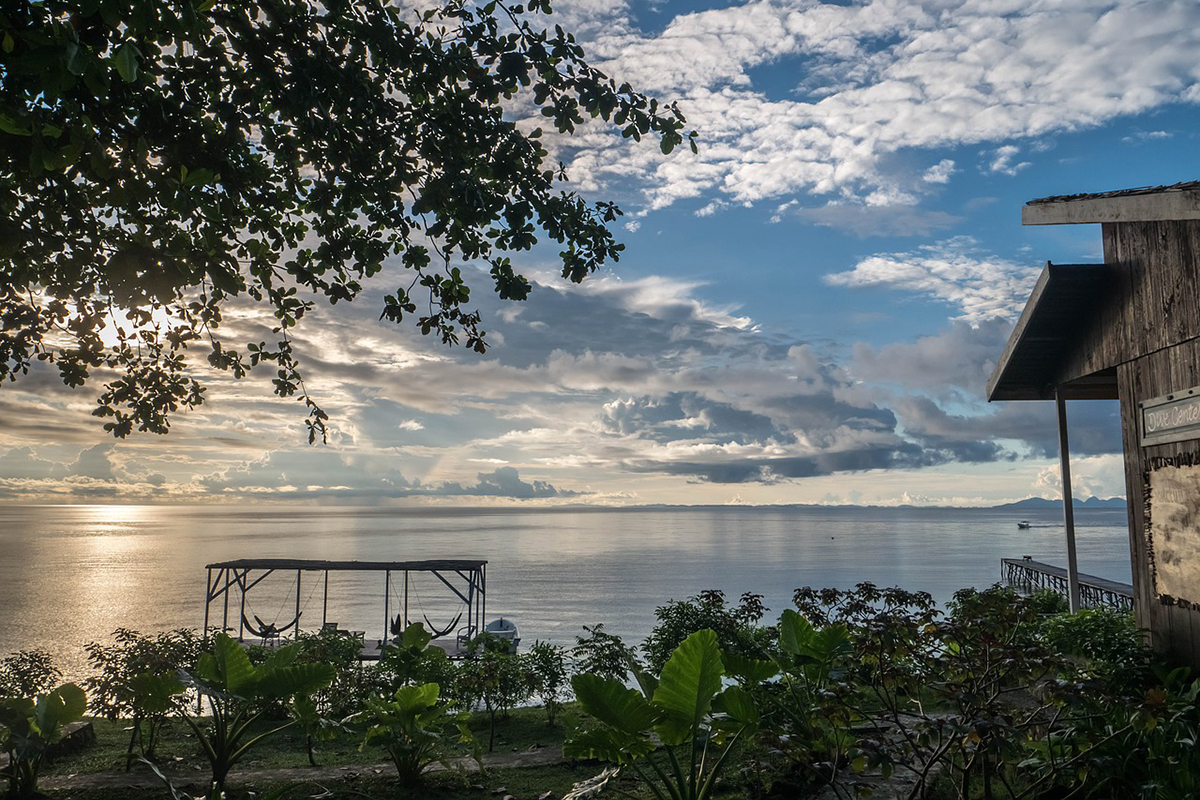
(1030, 575)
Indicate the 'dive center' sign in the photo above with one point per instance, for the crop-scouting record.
(1173, 418)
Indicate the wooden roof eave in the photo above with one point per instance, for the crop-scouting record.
(1033, 358)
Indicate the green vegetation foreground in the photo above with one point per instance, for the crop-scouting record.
(849, 693)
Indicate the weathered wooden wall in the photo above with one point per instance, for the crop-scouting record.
(1147, 329)
(1152, 301)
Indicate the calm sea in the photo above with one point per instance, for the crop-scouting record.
(71, 574)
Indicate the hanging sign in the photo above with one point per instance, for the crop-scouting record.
(1171, 418)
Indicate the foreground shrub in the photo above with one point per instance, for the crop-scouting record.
(493, 678)
(28, 673)
(237, 693)
(133, 679)
(1106, 642)
(29, 726)
(546, 665)
(736, 627)
(414, 729)
(697, 722)
(603, 653)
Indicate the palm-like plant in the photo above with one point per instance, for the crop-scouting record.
(686, 709)
(238, 693)
(29, 726)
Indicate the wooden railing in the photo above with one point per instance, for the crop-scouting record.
(1029, 575)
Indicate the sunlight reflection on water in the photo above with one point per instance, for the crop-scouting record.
(71, 574)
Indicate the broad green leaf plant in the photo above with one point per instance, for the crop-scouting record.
(29, 726)
(686, 709)
(415, 730)
(237, 692)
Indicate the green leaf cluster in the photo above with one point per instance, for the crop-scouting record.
(686, 709)
(238, 692)
(415, 729)
(159, 160)
(28, 728)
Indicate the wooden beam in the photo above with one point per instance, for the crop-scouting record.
(1151, 207)
(1018, 334)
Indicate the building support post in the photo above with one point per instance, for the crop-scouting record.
(1064, 456)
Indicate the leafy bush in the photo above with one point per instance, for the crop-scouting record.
(546, 665)
(29, 726)
(686, 710)
(1048, 601)
(133, 678)
(237, 692)
(27, 673)
(494, 678)
(603, 653)
(736, 627)
(414, 729)
(1106, 640)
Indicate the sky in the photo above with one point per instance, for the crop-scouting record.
(807, 311)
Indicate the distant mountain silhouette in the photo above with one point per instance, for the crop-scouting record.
(1040, 503)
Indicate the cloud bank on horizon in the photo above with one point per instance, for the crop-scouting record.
(852, 159)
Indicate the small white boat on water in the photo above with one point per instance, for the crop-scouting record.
(1024, 524)
(504, 630)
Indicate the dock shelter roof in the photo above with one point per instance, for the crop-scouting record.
(317, 565)
(1059, 308)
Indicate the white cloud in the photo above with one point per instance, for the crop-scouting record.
(411, 425)
(954, 272)
(1004, 160)
(940, 172)
(950, 72)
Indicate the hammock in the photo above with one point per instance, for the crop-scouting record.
(267, 630)
(437, 634)
(398, 630)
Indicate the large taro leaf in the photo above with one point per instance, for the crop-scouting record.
(413, 699)
(64, 705)
(608, 744)
(796, 635)
(295, 679)
(416, 637)
(235, 673)
(749, 671)
(738, 707)
(154, 691)
(614, 704)
(690, 679)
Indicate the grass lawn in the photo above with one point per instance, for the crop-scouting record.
(177, 749)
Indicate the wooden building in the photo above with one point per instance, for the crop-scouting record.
(1129, 329)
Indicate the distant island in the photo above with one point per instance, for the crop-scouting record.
(1039, 503)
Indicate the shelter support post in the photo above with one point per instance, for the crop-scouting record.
(1064, 456)
(225, 614)
(207, 601)
(296, 628)
(242, 616)
(406, 599)
(387, 593)
(325, 603)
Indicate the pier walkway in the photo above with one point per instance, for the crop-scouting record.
(1030, 575)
